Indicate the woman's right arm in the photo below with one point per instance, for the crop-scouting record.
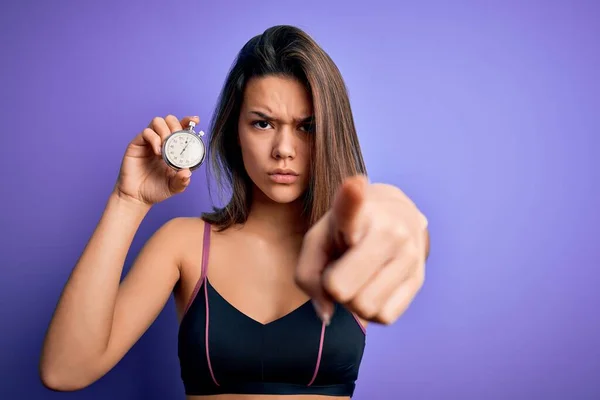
(98, 318)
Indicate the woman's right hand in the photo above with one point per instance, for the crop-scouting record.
(144, 176)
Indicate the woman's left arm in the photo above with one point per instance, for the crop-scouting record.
(368, 253)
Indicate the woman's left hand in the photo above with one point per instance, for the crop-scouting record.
(367, 253)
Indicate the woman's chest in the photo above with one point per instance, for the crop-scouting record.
(255, 277)
(296, 348)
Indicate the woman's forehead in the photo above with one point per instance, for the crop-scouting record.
(278, 96)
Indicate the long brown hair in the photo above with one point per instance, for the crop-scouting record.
(335, 151)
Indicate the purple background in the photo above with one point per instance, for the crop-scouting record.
(486, 113)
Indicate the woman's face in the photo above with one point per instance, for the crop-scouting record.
(274, 128)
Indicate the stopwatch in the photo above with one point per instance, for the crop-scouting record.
(184, 148)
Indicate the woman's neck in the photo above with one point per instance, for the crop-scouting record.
(272, 219)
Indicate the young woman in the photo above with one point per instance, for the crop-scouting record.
(275, 289)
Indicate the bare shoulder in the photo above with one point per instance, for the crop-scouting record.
(180, 226)
(179, 233)
(174, 245)
(187, 231)
(184, 236)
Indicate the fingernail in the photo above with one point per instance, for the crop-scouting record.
(317, 307)
(322, 314)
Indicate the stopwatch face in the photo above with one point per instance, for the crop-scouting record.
(183, 150)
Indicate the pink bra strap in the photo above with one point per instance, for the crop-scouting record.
(203, 267)
(205, 251)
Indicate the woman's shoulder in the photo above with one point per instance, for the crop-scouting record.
(178, 235)
(183, 237)
(188, 224)
(186, 235)
(179, 228)
(185, 223)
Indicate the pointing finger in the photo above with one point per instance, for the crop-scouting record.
(311, 264)
(348, 223)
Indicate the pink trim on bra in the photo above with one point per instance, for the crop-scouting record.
(319, 356)
(203, 267)
(360, 324)
(212, 374)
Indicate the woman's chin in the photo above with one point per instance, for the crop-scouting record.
(283, 194)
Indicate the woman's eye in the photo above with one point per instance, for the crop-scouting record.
(261, 124)
(307, 128)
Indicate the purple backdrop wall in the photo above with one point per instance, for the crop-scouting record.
(486, 113)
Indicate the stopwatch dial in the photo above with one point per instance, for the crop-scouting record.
(184, 150)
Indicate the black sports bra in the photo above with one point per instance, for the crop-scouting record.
(222, 350)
